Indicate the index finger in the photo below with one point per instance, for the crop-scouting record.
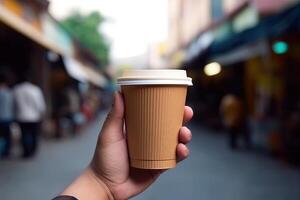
(188, 114)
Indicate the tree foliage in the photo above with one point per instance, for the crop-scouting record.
(86, 28)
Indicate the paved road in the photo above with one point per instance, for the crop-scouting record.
(211, 173)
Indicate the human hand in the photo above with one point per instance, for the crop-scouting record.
(111, 163)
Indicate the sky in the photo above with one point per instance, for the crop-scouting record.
(132, 26)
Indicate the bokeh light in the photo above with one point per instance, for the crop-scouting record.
(212, 69)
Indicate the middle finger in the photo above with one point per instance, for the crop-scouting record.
(185, 135)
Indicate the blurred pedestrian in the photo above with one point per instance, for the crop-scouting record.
(6, 115)
(234, 120)
(71, 108)
(30, 108)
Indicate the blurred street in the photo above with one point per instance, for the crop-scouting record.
(212, 172)
(56, 165)
(61, 62)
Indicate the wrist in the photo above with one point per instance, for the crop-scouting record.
(99, 183)
(88, 187)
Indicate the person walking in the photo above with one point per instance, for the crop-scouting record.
(234, 119)
(6, 115)
(30, 108)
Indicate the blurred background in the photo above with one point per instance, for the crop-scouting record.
(243, 56)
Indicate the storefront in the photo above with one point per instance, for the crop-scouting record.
(36, 47)
(259, 61)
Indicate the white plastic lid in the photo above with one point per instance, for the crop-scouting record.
(154, 77)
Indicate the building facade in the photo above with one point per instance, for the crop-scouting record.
(34, 46)
(188, 18)
(255, 44)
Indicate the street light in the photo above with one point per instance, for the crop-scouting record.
(280, 47)
(212, 69)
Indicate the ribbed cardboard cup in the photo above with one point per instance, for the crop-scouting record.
(154, 106)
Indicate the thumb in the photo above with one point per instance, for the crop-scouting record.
(112, 130)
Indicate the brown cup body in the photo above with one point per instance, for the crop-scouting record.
(153, 117)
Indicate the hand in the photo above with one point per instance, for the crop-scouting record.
(111, 163)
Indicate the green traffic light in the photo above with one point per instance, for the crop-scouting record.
(280, 47)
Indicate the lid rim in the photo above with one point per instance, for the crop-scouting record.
(152, 78)
(187, 82)
(155, 77)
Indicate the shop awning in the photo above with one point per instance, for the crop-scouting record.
(20, 25)
(242, 53)
(237, 46)
(75, 69)
(273, 26)
(83, 73)
(95, 77)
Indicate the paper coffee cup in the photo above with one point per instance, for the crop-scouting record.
(154, 106)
